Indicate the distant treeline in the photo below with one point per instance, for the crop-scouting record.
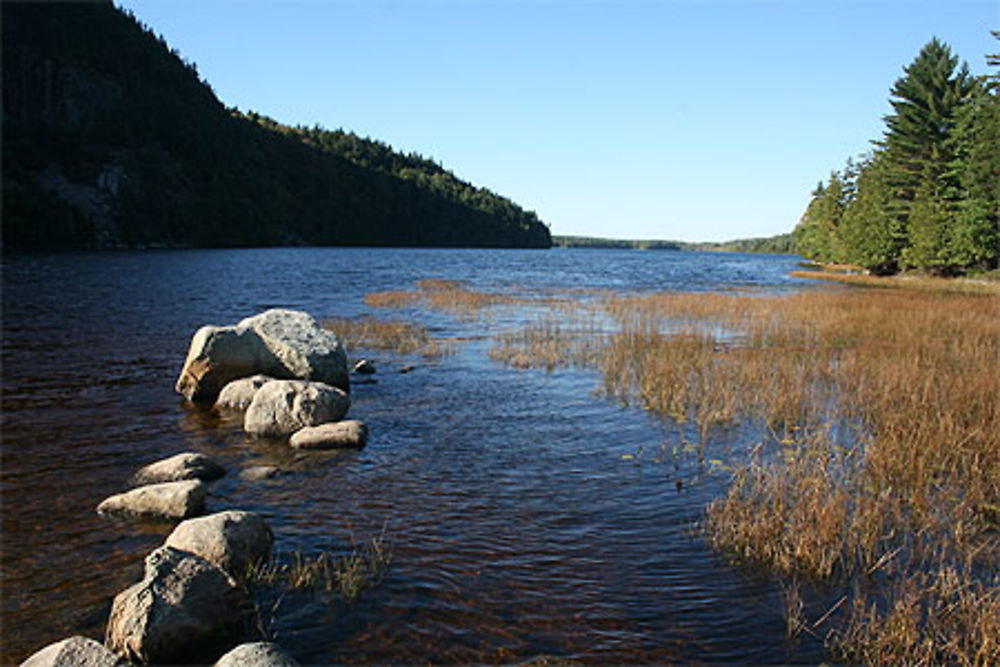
(927, 197)
(781, 244)
(110, 139)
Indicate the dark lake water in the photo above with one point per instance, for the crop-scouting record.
(518, 527)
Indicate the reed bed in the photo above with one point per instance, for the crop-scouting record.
(394, 335)
(883, 472)
(447, 295)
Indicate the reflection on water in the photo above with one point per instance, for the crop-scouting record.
(519, 525)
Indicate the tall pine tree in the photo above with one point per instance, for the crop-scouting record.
(918, 151)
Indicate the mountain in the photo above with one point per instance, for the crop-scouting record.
(110, 139)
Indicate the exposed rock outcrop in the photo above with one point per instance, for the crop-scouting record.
(184, 609)
(348, 434)
(75, 651)
(186, 465)
(256, 654)
(233, 540)
(282, 407)
(284, 344)
(171, 500)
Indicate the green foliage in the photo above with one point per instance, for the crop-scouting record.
(928, 197)
(870, 235)
(111, 139)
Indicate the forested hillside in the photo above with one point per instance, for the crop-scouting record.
(928, 196)
(111, 140)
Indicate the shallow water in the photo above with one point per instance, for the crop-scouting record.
(518, 529)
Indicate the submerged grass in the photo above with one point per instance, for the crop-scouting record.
(394, 335)
(883, 475)
(447, 295)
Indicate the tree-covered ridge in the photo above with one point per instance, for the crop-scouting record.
(927, 196)
(412, 167)
(110, 139)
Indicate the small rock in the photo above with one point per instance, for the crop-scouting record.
(76, 651)
(350, 433)
(233, 540)
(172, 500)
(365, 367)
(185, 609)
(238, 394)
(407, 369)
(254, 473)
(257, 654)
(187, 465)
(283, 407)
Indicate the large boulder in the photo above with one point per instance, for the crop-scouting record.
(285, 344)
(233, 540)
(185, 609)
(256, 654)
(76, 651)
(186, 465)
(238, 394)
(347, 434)
(170, 500)
(283, 407)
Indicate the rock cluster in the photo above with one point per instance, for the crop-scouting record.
(283, 344)
(290, 378)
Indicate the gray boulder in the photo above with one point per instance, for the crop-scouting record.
(185, 609)
(284, 344)
(186, 465)
(304, 348)
(283, 407)
(76, 651)
(233, 540)
(238, 394)
(256, 654)
(349, 433)
(219, 355)
(171, 500)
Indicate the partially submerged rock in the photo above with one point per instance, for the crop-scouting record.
(238, 394)
(283, 407)
(283, 344)
(184, 609)
(351, 433)
(171, 500)
(256, 654)
(233, 540)
(364, 367)
(76, 651)
(254, 473)
(186, 465)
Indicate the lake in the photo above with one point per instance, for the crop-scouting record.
(521, 520)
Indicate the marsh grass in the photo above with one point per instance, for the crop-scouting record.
(394, 335)
(446, 295)
(349, 574)
(883, 467)
(907, 282)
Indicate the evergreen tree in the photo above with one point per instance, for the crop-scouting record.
(870, 235)
(975, 233)
(917, 148)
(816, 235)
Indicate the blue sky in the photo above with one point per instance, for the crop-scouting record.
(697, 121)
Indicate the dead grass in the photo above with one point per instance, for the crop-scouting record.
(397, 336)
(439, 294)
